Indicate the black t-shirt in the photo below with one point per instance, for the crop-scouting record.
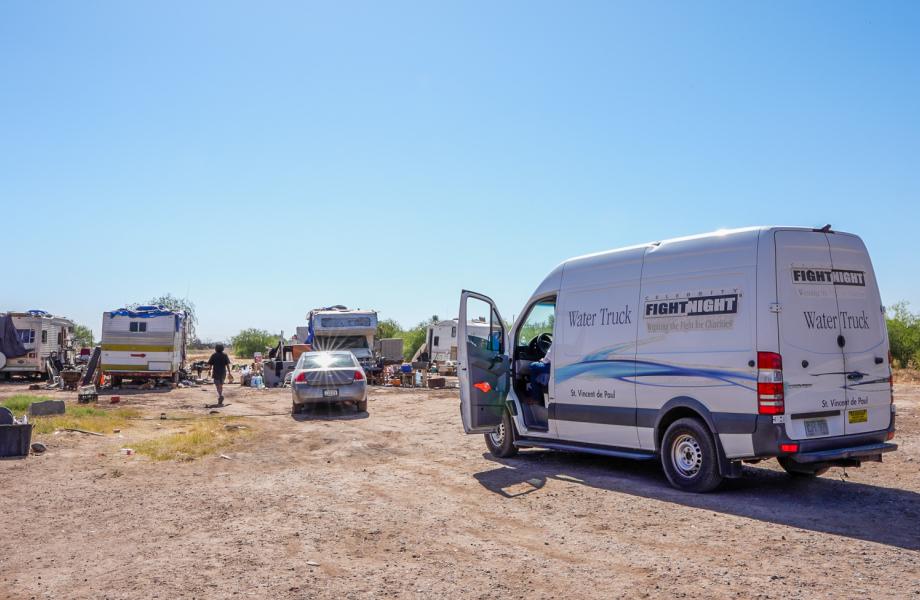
(219, 363)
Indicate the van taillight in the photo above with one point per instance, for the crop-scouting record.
(890, 381)
(301, 377)
(770, 398)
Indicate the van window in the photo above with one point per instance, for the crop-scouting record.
(540, 319)
(137, 327)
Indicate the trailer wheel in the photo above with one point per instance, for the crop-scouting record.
(501, 441)
(799, 470)
(690, 457)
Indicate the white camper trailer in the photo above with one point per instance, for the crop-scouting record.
(147, 342)
(441, 341)
(699, 352)
(44, 336)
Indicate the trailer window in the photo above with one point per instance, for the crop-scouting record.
(44, 336)
(437, 341)
(453, 332)
(26, 336)
(137, 327)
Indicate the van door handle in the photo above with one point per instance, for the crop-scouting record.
(841, 341)
(879, 360)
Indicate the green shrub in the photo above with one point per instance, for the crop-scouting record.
(248, 341)
(903, 335)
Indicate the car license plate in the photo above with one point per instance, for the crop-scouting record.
(816, 427)
(858, 416)
(330, 393)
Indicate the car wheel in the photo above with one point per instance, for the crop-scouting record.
(796, 469)
(690, 457)
(296, 409)
(501, 441)
(361, 406)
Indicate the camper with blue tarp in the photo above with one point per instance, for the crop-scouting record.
(31, 339)
(143, 342)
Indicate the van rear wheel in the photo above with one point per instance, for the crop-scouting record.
(689, 456)
(796, 469)
(501, 441)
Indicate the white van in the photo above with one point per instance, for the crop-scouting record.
(702, 352)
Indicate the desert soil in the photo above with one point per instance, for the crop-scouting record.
(400, 503)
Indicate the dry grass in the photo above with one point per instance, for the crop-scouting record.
(88, 418)
(198, 439)
(906, 376)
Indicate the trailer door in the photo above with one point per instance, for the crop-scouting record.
(483, 364)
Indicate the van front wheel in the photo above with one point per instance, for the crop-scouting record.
(501, 441)
(690, 457)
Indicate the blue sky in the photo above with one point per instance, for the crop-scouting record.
(268, 158)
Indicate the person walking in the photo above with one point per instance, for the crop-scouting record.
(219, 366)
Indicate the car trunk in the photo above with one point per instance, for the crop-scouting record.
(831, 336)
(331, 377)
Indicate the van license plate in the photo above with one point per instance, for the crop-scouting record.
(816, 427)
(858, 416)
(328, 393)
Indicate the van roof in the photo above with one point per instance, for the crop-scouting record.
(728, 237)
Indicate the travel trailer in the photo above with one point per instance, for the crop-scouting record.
(147, 342)
(43, 337)
(339, 328)
(441, 340)
(701, 352)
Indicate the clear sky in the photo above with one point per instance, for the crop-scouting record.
(266, 158)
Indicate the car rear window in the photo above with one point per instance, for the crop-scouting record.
(327, 361)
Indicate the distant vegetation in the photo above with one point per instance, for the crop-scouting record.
(248, 341)
(412, 338)
(904, 335)
(83, 336)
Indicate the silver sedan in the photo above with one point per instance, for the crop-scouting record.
(328, 377)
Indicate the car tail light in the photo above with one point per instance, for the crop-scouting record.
(770, 395)
(301, 377)
(359, 376)
(790, 448)
(890, 436)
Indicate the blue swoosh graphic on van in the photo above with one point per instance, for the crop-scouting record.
(631, 371)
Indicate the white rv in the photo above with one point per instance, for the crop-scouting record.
(43, 336)
(339, 328)
(441, 341)
(701, 352)
(147, 342)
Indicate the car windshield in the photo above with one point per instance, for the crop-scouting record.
(326, 360)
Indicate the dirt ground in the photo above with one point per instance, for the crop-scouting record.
(398, 502)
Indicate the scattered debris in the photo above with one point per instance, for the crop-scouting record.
(127, 451)
(82, 431)
(35, 386)
(231, 427)
(116, 431)
(114, 399)
(312, 563)
(48, 407)
(225, 456)
(39, 448)
(162, 416)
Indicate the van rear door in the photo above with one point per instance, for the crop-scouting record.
(865, 341)
(809, 326)
(483, 365)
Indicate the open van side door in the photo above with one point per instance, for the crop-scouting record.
(483, 364)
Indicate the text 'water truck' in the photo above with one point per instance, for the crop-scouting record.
(339, 328)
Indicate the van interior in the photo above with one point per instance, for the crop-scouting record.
(532, 341)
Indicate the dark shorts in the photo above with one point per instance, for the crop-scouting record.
(219, 378)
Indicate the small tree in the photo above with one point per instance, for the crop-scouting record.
(83, 336)
(388, 329)
(249, 341)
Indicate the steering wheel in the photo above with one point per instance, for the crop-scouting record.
(541, 343)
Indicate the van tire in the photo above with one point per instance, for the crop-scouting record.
(799, 470)
(690, 457)
(501, 441)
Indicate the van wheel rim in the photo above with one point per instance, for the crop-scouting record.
(498, 436)
(686, 455)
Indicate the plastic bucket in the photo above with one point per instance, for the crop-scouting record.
(15, 440)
